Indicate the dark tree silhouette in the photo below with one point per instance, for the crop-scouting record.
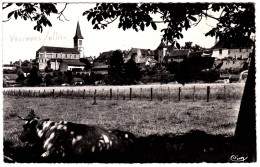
(132, 72)
(115, 73)
(34, 78)
(35, 12)
(85, 60)
(235, 19)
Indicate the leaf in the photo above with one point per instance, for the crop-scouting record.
(15, 14)
(93, 21)
(178, 45)
(186, 24)
(142, 26)
(192, 18)
(10, 14)
(89, 16)
(154, 25)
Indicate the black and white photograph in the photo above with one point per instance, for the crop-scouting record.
(142, 82)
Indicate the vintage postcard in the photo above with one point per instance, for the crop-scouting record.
(133, 83)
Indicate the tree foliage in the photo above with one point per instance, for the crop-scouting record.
(235, 19)
(115, 72)
(35, 12)
(132, 72)
(34, 78)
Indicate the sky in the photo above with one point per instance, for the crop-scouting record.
(20, 41)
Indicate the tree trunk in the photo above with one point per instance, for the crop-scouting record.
(245, 134)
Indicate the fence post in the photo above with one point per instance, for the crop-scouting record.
(141, 93)
(151, 94)
(60, 94)
(124, 95)
(193, 97)
(72, 94)
(161, 94)
(117, 91)
(84, 94)
(208, 92)
(179, 94)
(110, 96)
(225, 93)
(19, 94)
(53, 93)
(130, 95)
(95, 100)
(78, 94)
(169, 93)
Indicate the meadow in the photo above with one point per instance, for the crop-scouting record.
(142, 117)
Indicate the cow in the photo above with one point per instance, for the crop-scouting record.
(66, 139)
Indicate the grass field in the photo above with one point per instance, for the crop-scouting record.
(167, 130)
(139, 117)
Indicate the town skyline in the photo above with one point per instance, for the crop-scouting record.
(95, 41)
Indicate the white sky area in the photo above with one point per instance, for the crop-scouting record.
(20, 41)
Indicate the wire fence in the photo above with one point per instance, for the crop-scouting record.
(224, 92)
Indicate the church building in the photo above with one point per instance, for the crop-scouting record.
(54, 56)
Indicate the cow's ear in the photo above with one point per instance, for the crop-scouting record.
(21, 117)
(34, 123)
(32, 115)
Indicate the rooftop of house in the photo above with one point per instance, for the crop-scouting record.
(10, 76)
(100, 67)
(144, 51)
(73, 62)
(163, 45)
(51, 49)
(105, 55)
(235, 43)
(195, 54)
(145, 59)
(178, 53)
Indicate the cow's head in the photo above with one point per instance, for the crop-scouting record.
(29, 133)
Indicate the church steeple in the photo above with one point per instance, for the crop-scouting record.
(78, 40)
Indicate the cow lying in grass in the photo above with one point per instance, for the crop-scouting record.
(66, 139)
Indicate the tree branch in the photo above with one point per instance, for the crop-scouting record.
(7, 20)
(109, 22)
(195, 24)
(61, 13)
(207, 15)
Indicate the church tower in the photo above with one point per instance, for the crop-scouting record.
(78, 41)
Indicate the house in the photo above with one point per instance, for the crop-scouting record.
(163, 50)
(77, 81)
(71, 65)
(90, 59)
(100, 69)
(144, 62)
(195, 54)
(9, 79)
(233, 48)
(103, 59)
(177, 55)
(46, 53)
(207, 53)
(137, 54)
(10, 67)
